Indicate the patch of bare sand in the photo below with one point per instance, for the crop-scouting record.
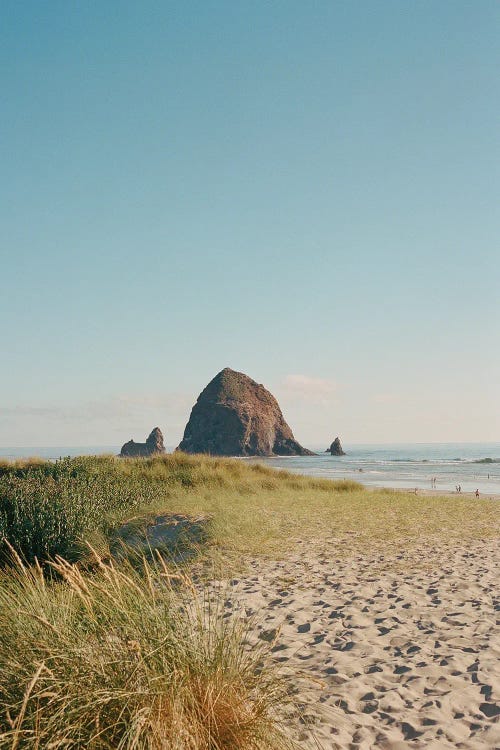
(442, 493)
(386, 651)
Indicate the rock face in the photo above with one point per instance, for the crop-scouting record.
(235, 416)
(152, 446)
(336, 448)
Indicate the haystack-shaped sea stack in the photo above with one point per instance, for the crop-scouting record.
(152, 446)
(235, 416)
(336, 448)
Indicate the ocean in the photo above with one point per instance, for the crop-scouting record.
(470, 465)
(406, 466)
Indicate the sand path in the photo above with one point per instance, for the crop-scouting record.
(394, 651)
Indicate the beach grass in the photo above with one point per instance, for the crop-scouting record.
(53, 509)
(131, 659)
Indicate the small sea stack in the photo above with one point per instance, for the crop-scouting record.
(336, 448)
(235, 416)
(152, 447)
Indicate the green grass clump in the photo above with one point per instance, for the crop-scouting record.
(128, 659)
(48, 509)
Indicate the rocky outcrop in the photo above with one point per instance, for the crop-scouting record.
(235, 416)
(336, 448)
(152, 446)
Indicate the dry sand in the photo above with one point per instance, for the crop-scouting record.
(397, 650)
(442, 493)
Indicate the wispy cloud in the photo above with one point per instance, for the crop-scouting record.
(21, 410)
(118, 408)
(124, 405)
(307, 388)
(387, 398)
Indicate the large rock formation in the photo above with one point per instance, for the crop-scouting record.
(152, 446)
(235, 416)
(336, 448)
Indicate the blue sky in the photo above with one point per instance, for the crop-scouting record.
(307, 192)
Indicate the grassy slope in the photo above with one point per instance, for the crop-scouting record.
(253, 509)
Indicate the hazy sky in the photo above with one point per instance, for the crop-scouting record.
(304, 191)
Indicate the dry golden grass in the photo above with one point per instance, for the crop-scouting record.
(129, 659)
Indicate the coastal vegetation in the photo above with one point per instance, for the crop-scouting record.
(100, 649)
(49, 509)
(132, 659)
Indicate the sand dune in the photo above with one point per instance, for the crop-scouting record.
(387, 651)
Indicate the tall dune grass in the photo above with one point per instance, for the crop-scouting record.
(131, 660)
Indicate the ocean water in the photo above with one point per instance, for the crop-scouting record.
(471, 465)
(406, 466)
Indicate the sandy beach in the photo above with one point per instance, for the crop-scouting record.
(390, 651)
(440, 493)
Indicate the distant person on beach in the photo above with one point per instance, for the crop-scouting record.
(460, 488)
(477, 493)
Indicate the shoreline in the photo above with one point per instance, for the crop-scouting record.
(358, 477)
(403, 468)
(439, 493)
